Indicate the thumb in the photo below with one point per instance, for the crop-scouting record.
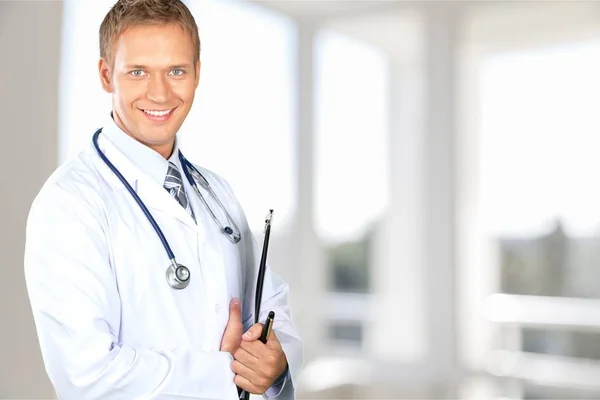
(233, 331)
(253, 333)
(235, 310)
(234, 324)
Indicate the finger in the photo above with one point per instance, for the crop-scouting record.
(260, 381)
(246, 385)
(255, 348)
(264, 369)
(246, 358)
(239, 368)
(258, 375)
(253, 333)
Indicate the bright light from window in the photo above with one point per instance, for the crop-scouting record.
(242, 122)
(83, 103)
(351, 171)
(540, 141)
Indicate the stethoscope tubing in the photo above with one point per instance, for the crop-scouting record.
(234, 236)
(139, 201)
(175, 269)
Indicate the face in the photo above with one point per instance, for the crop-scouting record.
(152, 81)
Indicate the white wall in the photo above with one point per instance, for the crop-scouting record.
(30, 50)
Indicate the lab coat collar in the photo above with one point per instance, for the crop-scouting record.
(144, 169)
(143, 157)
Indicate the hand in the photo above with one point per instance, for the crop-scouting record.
(232, 337)
(258, 365)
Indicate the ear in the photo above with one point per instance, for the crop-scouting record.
(105, 75)
(197, 73)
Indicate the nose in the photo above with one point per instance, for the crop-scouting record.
(158, 89)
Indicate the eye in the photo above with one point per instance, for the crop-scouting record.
(177, 72)
(137, 73)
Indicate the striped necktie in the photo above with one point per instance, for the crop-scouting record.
(174, 186)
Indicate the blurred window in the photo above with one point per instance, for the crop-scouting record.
(346, 331)
(351, 162)
(242, 124)
(540, 168)
(540, 200)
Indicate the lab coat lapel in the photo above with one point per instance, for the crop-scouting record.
(154, 196)
(157, 198)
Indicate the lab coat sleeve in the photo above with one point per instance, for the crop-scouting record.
(76, 308)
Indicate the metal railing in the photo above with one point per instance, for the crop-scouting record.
(513, 314)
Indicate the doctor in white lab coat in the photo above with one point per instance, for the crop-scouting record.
(109, 325)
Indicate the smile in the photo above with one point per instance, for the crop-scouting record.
(158, 113)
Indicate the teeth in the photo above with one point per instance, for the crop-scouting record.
(158, 113)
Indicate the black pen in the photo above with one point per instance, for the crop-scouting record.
(267, 327)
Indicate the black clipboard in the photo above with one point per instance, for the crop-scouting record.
(242, 394)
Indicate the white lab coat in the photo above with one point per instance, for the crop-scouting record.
(109, 325)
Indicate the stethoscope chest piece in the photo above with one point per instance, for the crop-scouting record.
(178, 277)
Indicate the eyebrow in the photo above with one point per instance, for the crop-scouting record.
(177, 66)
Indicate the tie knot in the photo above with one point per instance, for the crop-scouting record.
(173, 178)
(174, 186)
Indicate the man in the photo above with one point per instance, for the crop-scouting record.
(110, 326)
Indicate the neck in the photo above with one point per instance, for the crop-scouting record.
(167, 152)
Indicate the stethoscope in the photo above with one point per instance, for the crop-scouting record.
(178, 275)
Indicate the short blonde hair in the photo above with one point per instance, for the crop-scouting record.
(127, 13)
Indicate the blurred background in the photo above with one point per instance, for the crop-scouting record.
(434, 169)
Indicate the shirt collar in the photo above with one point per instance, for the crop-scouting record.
(141, 156)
